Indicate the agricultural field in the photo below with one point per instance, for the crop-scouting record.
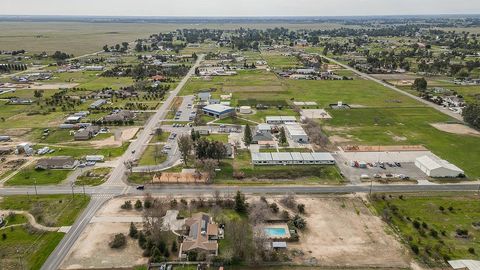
(436, 227)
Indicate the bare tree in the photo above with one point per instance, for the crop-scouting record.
(289, 200)
(315, 133)
(185, 146)
(258, 212)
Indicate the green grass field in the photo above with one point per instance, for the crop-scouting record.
(26, 248)
(410, 126)
(153, 155)
(29, 176)
(438, 216)
(93, 177)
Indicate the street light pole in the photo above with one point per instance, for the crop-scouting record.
(35, 184)
(73, 194)
(371, 185)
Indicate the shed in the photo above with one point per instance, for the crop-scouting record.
(279, 245)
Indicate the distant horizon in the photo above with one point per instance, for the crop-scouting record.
(235, 8)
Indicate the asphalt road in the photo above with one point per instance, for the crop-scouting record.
(178, 190)
(138, 146)
(430, 104)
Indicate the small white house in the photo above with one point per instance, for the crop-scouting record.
(436, 167)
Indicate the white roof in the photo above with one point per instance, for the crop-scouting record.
(279, 244)
(291, 156)
(285, 156)
(261, 156)
(74, 118)
(322, 156)
(295, 130)
(264, 127)
(432, 163)
(219, 108)
(468, 264)
(280, 118)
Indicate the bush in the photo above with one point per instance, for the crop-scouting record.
(127, 205)
(414, 248)
(274, 208)
(142, 240)
(285, 214)
(4, 236)
(471, 250)
(299, 222)
(174, 247)
(133, 231)
(301, 208)
(138, 205)
(118, 241)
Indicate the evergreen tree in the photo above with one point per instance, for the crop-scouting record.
(247, 136)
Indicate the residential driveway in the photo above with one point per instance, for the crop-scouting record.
(170, 221)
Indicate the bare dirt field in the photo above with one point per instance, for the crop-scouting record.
(456, 129)
(91, 250)
(343, 232)
(126, 135)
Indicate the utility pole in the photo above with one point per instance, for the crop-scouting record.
(36, 192)
(73, 194)
(371, 186)
(83, 189)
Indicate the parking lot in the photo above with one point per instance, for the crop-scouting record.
(186, 109)
(365, 166)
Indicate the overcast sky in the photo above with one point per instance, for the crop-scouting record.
(237, 7)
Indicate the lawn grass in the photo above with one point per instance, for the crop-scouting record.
(49, 210)
(81, 152)
(217, 137)
(459, 212)
(30, 176)
(93, 177)
(152, 155)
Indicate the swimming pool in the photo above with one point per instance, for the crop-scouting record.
(276, 232)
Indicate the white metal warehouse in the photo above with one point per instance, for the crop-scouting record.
(292, 158)
(433, 166)
(296, 133)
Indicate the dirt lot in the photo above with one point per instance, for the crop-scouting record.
(342, 232)
(91, 250)
(456, 129)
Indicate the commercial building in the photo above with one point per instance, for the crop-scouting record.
(279, 120)
(435, 167)
(296, 133)
(219, 111)
(292, 158)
